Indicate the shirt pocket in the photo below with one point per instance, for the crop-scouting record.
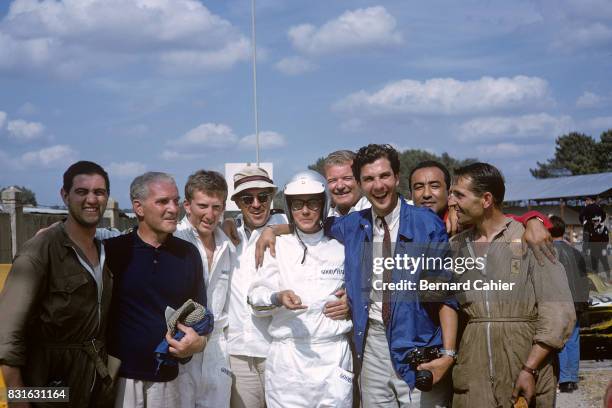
(219, 293)
(71, 298)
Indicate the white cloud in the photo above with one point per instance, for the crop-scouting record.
(53, 156)
(580, 36)
(591, 100)
(3, 117)
(450, 96)
(295, 65)
(588, 100)
(208, 135)
(126, 169)
(511, 150)
(72, 36)
(598, 123)
(357, 29)
(267, 140)
(578, 25)
(517, 127)
(23, 131)
(173, 155)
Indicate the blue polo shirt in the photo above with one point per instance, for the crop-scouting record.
(146, 280)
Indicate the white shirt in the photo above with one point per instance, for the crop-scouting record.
(218, 276)
(247, 335)
(378, 234)
(315, 281)
(362, 204)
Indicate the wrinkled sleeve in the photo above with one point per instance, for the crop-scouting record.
(439, 248)
(265, 284)
(17, 302)
(529, 215)
(334, 228)
(556, 315)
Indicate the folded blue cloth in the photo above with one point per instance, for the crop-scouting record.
(199, 319)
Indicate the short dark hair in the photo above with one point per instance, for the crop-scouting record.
(431, 163)
(484, 178)
(84, 167)
(206, 181)
(372, 152)
(558, 226)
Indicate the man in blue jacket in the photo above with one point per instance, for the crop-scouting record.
(391, 324)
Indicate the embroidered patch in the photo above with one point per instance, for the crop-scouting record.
(515, 266)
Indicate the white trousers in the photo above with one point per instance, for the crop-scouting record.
(145, 394)
(309, 374)
(206, 380)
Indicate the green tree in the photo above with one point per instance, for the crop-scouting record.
(29, 197)
(605, 150)
(319, 166)
(577, 153)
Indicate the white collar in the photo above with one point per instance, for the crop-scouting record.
(392, 218)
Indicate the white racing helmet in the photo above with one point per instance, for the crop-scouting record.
(307, 182)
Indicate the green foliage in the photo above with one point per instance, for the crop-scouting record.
(319, 166)
(577, 153)
(29, 197)
(410, 158)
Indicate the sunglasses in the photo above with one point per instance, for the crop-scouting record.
(248, 199)
(314, 204)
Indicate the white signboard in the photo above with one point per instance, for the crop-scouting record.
(233, 168)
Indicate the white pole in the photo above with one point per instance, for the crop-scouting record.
(256, 112)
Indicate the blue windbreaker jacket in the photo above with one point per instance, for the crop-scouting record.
(414, 323)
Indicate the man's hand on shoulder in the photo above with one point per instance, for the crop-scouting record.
(538, 238)
(266, 240)
(190, 344)
(452, 221)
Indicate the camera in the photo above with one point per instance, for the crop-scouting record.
(420, 355)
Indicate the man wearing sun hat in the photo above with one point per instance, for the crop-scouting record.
(248, 339)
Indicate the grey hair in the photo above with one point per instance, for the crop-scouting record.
(339, 157)
(139, 189)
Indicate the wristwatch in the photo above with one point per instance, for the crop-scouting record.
(531, 371)
(448, 352)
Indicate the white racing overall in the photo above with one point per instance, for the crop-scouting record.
(310, 362)
(206, 380)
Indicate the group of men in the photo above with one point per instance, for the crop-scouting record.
(72, 300)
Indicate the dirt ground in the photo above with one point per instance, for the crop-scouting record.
(594, 379)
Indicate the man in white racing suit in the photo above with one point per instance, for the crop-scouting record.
(206, 380)
(309, 363)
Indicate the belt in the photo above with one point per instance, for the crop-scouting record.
(502, 319)
(92, 348)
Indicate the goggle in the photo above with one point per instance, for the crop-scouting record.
(313, 204)
(248, 199)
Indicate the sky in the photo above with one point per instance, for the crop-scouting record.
(166, 85)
